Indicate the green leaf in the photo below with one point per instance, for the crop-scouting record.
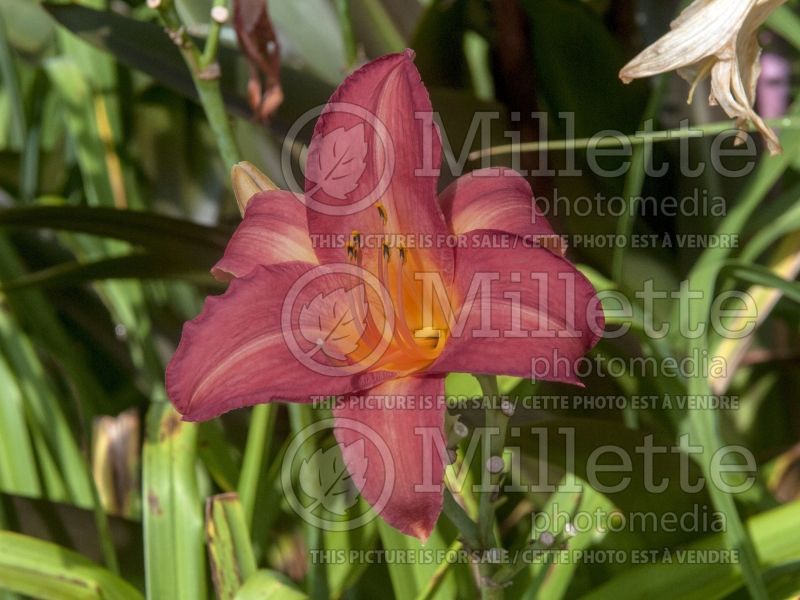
(314, 41)
(153, 231)
(140, 265)
(704, 579)
(229, 550)
(761, 275)
(252, 477)
(565, 32)
(146, 47)
(139, 45)
(548, 440)
(441, 31)
(269, 585)
(18, 473)
(704, 426)
(173, 515)
(221, 459)
(28, 27)
(345, 575)
(786, 23)
(408, 580)
(67, 475)
(782, 223)
(375, 27)
(76, 530)
(44, 570)
(329, 482)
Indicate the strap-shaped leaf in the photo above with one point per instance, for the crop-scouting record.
(269, 585)
(143, 46)
(172, 519)
(44, 570)
(153, 231)
(139, 265)
(229, 551)
(763, 276)
(146, 47)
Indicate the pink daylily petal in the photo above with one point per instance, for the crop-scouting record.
(235, 353)
(373, 164)
(497, 198)
(274, 230)
(407, 492)
(513, 329)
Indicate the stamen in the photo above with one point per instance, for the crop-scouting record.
(401, 326)
(382, 212)
(700, 76)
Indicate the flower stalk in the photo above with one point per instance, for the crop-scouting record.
(204, 70)
(493, 473)
(623, 140)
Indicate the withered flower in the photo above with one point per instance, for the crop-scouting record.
(716, 38)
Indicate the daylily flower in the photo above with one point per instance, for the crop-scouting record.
(376, 133)
(717, 38)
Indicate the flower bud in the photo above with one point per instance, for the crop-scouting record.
(247, 182)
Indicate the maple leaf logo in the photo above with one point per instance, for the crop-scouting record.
(340, 161)
(330, 482)
(335, 322)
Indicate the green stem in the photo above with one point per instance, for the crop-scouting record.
(212, 40)
(205, 74)
(262, 425)
(621, 140)
(379, 20)
(107, 548)
(435, 581)
(496, 424)
(346, 25)
(214, 107)
(301, 416)
(634, 181)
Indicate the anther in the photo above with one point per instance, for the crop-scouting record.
(355, 236)
(382, 212)
(387, 251)
(352, 252)
(402, 251)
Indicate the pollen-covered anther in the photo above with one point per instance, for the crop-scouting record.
(402, 251)
(382, 212)
(387, 252)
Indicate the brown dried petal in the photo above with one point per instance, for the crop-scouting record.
(260, 45)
